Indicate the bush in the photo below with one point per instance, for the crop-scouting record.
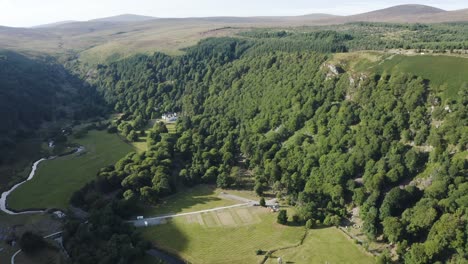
(282, 217)
(30, 242)
(112, 130)
(309, 224)
(262, 202)
(295, 218)
(132, 136)
(259, 252)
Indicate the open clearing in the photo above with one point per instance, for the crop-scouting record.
(325, 245)
(447, 74)
(57, 179)
(441, 70)
(233, 235)
(200, 197)
(223, 237)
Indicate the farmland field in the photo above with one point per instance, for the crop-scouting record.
(57, 179)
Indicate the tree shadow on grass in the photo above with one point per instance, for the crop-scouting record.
(167, 241)
(182, 200)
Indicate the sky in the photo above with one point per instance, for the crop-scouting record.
(25, 13)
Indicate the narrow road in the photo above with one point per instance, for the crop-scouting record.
(159, 219)
(12, 260)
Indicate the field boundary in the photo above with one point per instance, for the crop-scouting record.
(300, 243)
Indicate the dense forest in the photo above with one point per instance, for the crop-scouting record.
(439, 38)
(34, 91)
(323, 139)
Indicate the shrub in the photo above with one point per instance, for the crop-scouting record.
(309, 224)
(282, 217)
(262, 202)
(112, 130)
(295, 218)
(31, 242)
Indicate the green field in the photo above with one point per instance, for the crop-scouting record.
(447, 74)
(448, 71)
(230, 236)
(198, 198)
(57, 179)
(234, 235)
(325, 245)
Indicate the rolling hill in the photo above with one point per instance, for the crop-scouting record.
(400, 13)
(120, 36)
(124, 18)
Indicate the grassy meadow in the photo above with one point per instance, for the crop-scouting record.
(447, 74)
(323, 245)
(234, 235)
(198, 198)
(57, 179)
(228, 236)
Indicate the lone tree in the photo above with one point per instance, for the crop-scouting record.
(282, 217)
(30, 242)
(262, 202)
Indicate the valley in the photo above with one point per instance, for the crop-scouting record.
(308, 139)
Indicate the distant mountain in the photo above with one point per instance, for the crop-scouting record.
(317, 16)
(400, 14)
(123, 35)
(124, 18)
(449, 16)
(55, 24)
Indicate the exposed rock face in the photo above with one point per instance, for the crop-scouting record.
(333, 70)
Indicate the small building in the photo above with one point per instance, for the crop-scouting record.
(170, 117)
(59, 214)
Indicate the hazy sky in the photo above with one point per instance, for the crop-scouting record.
(22, 13)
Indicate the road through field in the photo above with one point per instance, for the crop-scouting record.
(157, 220)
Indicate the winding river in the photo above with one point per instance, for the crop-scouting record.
(3, 207)
(4, 197)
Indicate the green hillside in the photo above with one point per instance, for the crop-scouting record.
(447, 74)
